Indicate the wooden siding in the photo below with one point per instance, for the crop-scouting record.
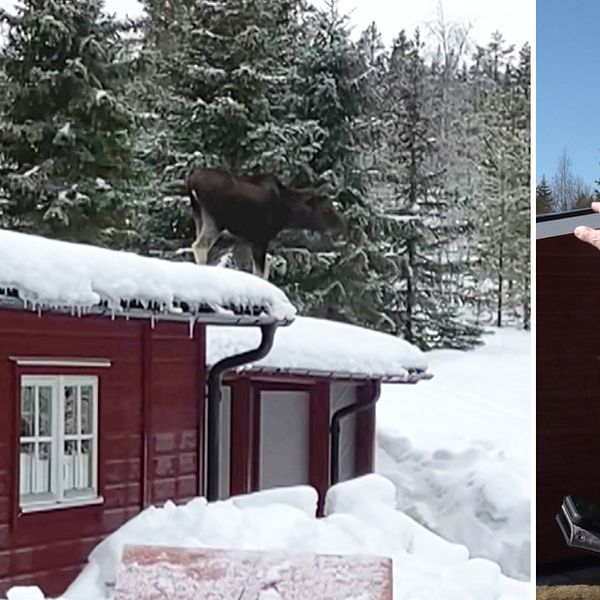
(148, 439)
(568, 384)
(246, 432)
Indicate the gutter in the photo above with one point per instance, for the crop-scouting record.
(205, 318)
(215, 379)
(336, 426)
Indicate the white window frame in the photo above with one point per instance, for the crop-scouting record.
(57, 498)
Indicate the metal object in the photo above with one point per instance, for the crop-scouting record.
(214, 393)
(336, 426)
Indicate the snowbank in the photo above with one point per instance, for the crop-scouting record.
(50, 273)
(457, 449)
(318, 345)
(361, 519)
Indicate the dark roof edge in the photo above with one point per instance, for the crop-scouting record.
(413, 376)
(568, 214)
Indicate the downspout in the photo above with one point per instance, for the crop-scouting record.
(215, 378)
(336, 426)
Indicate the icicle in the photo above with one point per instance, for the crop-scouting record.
(112, 314)
(39, 311)
(152, 321)
(192, 322)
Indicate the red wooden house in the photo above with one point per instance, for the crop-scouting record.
(568, 375)
(109, 404)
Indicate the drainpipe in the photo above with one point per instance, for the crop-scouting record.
(215, 379)
(336, 426)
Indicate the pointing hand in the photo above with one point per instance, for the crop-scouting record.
(587, 234)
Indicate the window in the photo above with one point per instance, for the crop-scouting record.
(58, 441)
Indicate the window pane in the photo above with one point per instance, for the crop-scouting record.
(70, 465)
(45, 411)
(43, 468)
(85, 464)
(27, 458)
(27, 408)
(86, 408)
(70, 409)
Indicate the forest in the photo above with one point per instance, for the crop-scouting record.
(425, 144)
(565, 191)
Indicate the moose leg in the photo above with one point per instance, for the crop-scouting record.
(206, 235)
(259, 261)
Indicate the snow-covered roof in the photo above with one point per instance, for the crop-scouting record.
(44, 273)
(320, 347)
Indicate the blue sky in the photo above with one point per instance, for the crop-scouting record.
(568, 86)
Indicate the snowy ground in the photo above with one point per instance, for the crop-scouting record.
(457, 448)
(361, 519)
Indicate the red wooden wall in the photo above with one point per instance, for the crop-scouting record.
(245, 432)
(148, 434)
(568, 384)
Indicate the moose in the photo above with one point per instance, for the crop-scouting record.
(254, 208)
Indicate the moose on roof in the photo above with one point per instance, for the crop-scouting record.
(254, 208)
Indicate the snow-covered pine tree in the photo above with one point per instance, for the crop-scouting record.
(501, 103)
(66, 148)
(543, 197)
(427, 310)
(355, 280)
(518, 106)
(222, 77)
(458, 147)
(273, 85)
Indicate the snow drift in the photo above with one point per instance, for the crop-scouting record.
(361, 518)
(457, 449)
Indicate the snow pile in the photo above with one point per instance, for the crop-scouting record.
(50, 273)
(361, 519)
(318, 345)
(457, 448)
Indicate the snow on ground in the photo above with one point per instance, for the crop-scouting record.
(457, 448)
(361, 518)
(51, 273)
(319, 345)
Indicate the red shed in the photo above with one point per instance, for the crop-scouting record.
(305, 413)
(102, 390)
(568, 374)
(110, 405)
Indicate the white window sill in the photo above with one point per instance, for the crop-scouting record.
(53, 505)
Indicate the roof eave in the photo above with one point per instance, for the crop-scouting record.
(410, 377)
(205, 318)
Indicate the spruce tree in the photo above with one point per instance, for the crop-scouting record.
(427, 311)
(543, 197)
(502, 100)
(222, 78)
(66, 138)
(354, 280)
